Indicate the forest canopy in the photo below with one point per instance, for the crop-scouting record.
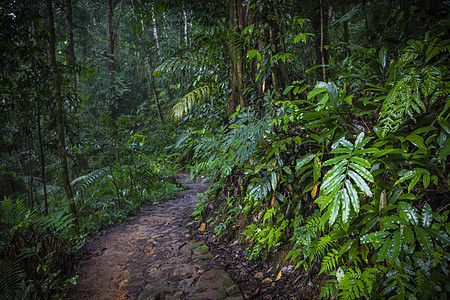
(322, 127)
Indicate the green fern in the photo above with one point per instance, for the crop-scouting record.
(330, 261)
(356, 284)
(83, 182)
(10, 279)
(189, 100)
(13, 214)
(419, 88)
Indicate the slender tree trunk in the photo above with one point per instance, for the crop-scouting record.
(59, 112)
(112, 72)
(322, 37)
(42, 156)
(149, 67)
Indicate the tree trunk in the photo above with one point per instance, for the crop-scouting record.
(322, 37)
(112, 72)
(59, 112)
(237, 22)
(42, 156)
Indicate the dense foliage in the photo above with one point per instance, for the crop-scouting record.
(322, 126)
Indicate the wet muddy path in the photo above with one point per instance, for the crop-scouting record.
(153, 256)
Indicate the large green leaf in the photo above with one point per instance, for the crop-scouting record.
(304, 160)
(353, 195)
(362, 171)
(439, 235)
(374, 237)
(382, 254)
(427, 215)
(424, 240)
(408, 235)
(360, 183)
(335, 208)
(445, 149)
(394, 249)
(345, 205)
(410, 211)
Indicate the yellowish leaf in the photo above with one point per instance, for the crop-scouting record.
(202, 227)
(278, 276)
(314, 191)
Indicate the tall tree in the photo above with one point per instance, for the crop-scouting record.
(59, 112)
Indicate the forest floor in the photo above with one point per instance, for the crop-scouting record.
(160, 254)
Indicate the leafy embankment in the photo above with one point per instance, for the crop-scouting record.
(352, 175)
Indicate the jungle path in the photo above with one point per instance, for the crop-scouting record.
(153, 256)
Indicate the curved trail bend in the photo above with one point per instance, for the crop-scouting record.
(151, 256)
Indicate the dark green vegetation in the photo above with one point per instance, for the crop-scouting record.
(322, 126)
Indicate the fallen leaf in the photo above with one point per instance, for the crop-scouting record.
(278, 276)
(154, 268)
(267, 281)
(202, 227)
(314, 192)
(259, 275)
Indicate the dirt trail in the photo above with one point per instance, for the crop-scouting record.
(153, 256)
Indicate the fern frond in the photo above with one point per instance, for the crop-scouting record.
(190, 100)
(87, 180)
(10, 279)
(330, 261)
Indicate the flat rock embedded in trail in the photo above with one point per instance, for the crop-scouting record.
(152, 256)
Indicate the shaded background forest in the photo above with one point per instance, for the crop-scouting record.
(322, 127)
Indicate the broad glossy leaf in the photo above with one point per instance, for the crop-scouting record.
(384, 250)
(424, 239)
(445, 149)
(316, 168)
(423, 129)
(374, 237)
(317, 90)
(345, 143)
(417, 141)
(426, 180)
(359, 139)
(413, 182)
(408, 235)
(387, 151)
(360, 161)
(334, 183)
(439, 235)
(336, 159)
(410, 212)
(335, 208)
(393, 220)
(335, 171)
(345, 205)
(273, 180)
(353, 195)
(360, 183)
(427, 215)
(406, 176)
(394, 249)
(362, 171)
(333, 94)
(304, 160)
(324, 201)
